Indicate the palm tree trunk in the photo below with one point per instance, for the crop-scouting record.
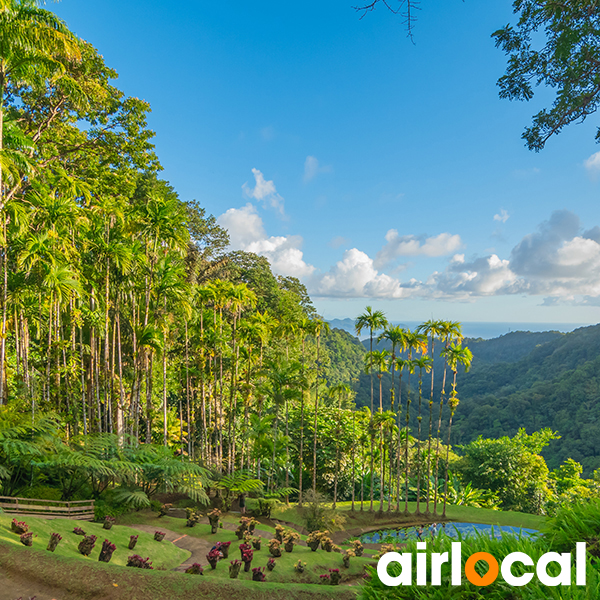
(437, 450)
(430, 433)
(418, 510)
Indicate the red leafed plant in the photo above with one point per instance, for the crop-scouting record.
(138, 562)
(19, 526)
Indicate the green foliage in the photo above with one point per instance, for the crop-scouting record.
(577, 522)
(511, 468)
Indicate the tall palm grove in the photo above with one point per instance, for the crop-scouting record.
(132, 338)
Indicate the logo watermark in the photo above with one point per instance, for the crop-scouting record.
(432, 573)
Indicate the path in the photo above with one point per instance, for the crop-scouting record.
(199, 547)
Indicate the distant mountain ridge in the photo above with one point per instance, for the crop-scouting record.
(520, 379)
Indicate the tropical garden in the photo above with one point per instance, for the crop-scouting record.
(140, 360)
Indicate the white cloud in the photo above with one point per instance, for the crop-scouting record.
(412, 245)
(355, 276)
(592, 164)
(502, 217)
(312, 168)
(264, 191)
(247, 232)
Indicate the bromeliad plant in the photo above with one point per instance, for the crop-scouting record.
(193, 516)
(139, 562)
(275, 548)
(334, 575)
(357, 548)
(247, 556)
(290, 539)
(195, 569)
(213, 558)
(300, 566)
(346, 557)
(159, 536)
(78, 531)
(107, 551)
(132, 541)
(27, 538)
(54, 539)
(86, 545)
(256, 542)
(108, 522)
(313, 541)
(213, 518)
(234, 569)
(258, 574)
(19, 526)
(164, 510)
(223, 547)
(271, 564)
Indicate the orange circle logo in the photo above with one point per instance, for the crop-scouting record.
(473, 576)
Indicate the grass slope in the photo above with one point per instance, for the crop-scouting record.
(74, 579)
(464, 514)
(164, 555)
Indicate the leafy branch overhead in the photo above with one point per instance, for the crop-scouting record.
(555, 44)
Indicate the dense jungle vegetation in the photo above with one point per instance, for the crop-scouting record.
(138, 355)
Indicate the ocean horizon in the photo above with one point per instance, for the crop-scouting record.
(478, 329)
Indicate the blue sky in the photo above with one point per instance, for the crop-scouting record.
(376, 170)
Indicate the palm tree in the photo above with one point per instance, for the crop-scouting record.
(320, 327)
(424, 362)
(456, 355)
(396, 335)
(434, 329)
(449, 330)
(306, 327)
(373, 321)
(340, 391)
(415, 342)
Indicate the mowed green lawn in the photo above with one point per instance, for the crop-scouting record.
(464, 514)
(164, 555)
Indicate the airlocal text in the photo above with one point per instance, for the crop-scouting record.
(504, 568)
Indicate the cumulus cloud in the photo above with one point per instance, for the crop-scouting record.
(312, 168)
(412, 245)
(264, 191)
(502, 217)
(355, 276)
(557, 261)
(592, 164)
(247, 232)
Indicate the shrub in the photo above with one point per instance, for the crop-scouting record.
(275, 548)
(213, 557)
(78, 531)
(223, 547)
(279, 531)
(258, 574)
(325, 579)
(138, 562)
(54, 539)
(108, 522)
(271, 564)
(164, 509)
(213, 518)
(159, 536)
(256, 542)
(290, 539)
(334, 575)
(195, 569)
(234, 569)
(357, 548)
(27, 538)
(86, 545)
(192, 517)
(107, 551)
(300, 566)
(347, 556)
(19, 526)
(247, 556)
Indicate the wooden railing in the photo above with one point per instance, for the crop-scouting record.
(77, 509)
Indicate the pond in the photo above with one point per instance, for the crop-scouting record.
(451, 529)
